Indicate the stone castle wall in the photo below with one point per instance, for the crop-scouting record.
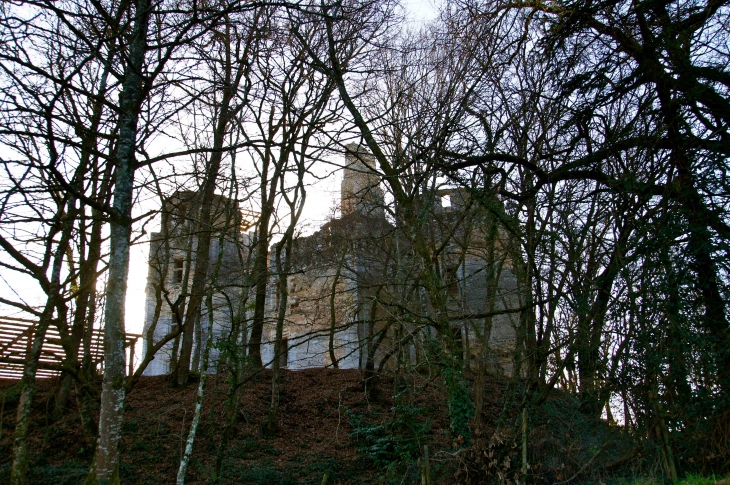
(375, 304)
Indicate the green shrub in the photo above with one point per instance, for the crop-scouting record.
(461, 408)
(396, 441)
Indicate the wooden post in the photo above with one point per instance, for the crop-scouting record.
(426, 468)
(132, 345)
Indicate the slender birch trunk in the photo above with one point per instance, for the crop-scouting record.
(105, 469)
(199, 396)
(206, 357)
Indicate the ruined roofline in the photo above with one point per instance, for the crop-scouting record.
(178, 205)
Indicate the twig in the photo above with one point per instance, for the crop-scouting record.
(182, 433)
(339, 418)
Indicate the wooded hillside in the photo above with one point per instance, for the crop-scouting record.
(590, 140)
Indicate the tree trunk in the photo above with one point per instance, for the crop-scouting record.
(27, 392)
(199, 396)
(333, 314)
(206, 353)
(195, 365)
(236, 361)
(88, 268)
(260, 278)
(28, 387)
(88, 262)
(87, 386)
(105, 469)
(283, 270)
(202, 253)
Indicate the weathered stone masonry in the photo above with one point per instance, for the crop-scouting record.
(378, 311)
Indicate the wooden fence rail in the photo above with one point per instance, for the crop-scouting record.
(16, 337)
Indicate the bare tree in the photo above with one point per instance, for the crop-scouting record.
(237, 45)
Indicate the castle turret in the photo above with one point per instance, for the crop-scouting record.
(360, 189)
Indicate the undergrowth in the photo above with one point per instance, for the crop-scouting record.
(395, 445)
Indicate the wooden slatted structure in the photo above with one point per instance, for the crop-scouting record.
(16, 338)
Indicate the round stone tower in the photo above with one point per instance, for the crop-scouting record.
(360, 190)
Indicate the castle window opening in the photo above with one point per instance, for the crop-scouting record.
(446, 201)
(177, 271)
(452, 280)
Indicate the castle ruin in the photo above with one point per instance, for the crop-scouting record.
(354, 300)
